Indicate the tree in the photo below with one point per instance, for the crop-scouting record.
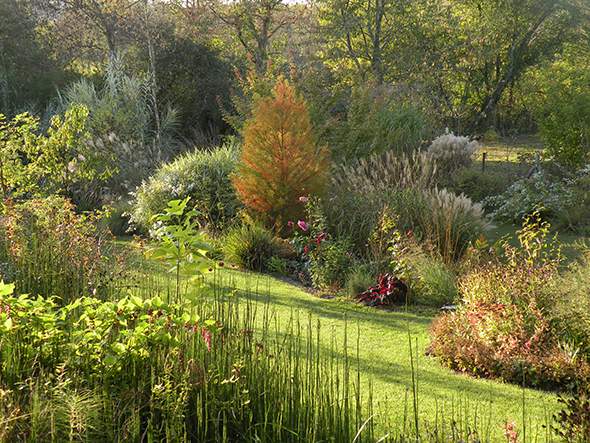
(561, 98)
(280, 160)
(369, 35)
(90, 30)
(192, 76)
(47, 164)
(255, 23)
(28, 72)
(522, 33)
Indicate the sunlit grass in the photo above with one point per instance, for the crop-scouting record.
(381, 341)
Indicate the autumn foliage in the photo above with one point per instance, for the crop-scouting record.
(280, 159)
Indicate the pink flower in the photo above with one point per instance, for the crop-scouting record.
(207, 336)
(304, 226)
(289, 224)
(303, 199)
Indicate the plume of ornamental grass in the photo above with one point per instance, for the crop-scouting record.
(452, 151)
(387, 170)
(450, 222)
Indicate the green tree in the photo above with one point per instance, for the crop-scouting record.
(47, 164)
(561, 98)
(281, 161)
(255, 24)
(28, 72)
(367, 37)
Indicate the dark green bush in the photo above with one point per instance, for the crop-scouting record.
(474, 183)
(201, 175)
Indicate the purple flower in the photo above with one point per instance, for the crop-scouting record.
(303, 199)
(304, 226)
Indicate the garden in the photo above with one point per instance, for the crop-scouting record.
(267, 221)
(271, 295)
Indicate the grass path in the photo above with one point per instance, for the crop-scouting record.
(382, 341)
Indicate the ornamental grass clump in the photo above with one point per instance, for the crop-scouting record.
(361, 193)
(203, 176)
(251, 246)
(449, 222)
(451, 151)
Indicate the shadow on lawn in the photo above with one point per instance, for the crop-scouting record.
(372, 329)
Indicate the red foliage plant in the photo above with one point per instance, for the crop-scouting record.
(280, 159)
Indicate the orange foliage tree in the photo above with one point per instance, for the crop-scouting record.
(280, 160)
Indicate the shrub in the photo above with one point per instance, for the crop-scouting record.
(563, 195)
(131, 163)
(203, 176)
(250, 246)
(46, 249)
(280, 160)
(573, 421)
(474, 183)
(502, 327)
(122, 106)
(41, 165)
(451, 152)
(573, 304)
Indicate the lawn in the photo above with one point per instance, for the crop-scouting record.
(379, 343)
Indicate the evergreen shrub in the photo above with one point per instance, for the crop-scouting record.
(203, 176)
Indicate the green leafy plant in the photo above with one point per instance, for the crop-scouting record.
(326, 259)
(573, 421)
(561, 106)
(280, 160)
(48, 164)
(181, 243)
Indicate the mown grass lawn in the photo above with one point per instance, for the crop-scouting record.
(378, 344)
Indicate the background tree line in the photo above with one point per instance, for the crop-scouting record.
(377, 74)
